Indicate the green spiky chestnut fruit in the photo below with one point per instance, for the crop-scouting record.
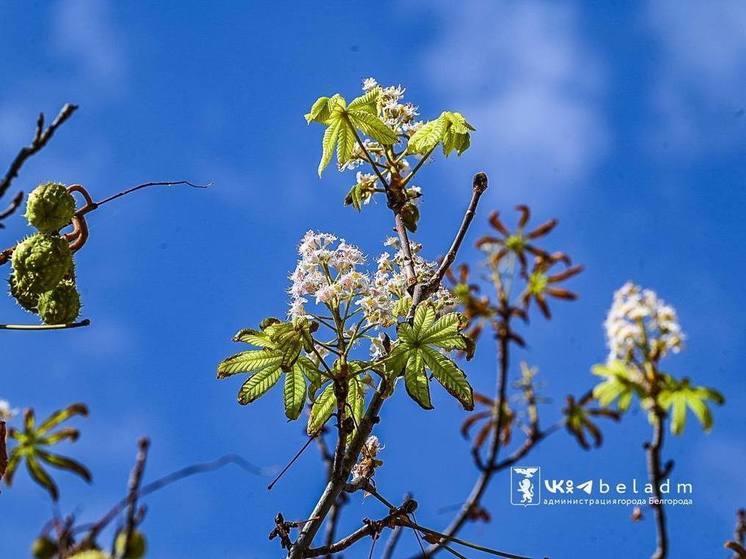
(60, 305)
(135, 549)
(43, 548)
(26, 299)
(50, 207)
(40, 262)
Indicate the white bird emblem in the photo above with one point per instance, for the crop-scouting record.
(528, 472)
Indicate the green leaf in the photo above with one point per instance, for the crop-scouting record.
(320, 111)
(40, 476)
(428, 136)
(415, 351)
(250, 361)
(61, 415)
(345, 143)
(311, 372)
(64, 463)
(331, 134)
(68, 433)
(356, 402)
(367, 102)
(424, 318)
(372, 126)
(456, 136)
(253, 337)
(294, 393)
(415, 380)
(446, 332)
(288, 340)
(258, 384)
(450, 376)
(619, 384)
(677, 396)
(322, 410)
(10, 469)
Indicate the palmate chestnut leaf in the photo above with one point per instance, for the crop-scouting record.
(32, 443)
(281, 345)
(343, 121)
(417, 350)
(677, 396)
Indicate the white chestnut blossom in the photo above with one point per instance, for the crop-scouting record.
(329, 273)
(387, 297)
(326, 271)
(638, 317)
(6, 412)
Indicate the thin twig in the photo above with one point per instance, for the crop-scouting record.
(134, 489)
(465, 543)
(160, 483)
(80, 324)
(653, 449)
(90, 205)
(388, 551)
(41, 137)
(369, 528)
(423, 291)
(292, 461)
(3, 450)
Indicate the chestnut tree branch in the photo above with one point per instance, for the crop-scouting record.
(41, 138)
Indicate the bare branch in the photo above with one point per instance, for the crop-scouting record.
(653, 450)
(423, 291)
(95, 529)
(41, 137)
(80, 324)
(143, 445)
(3, 450)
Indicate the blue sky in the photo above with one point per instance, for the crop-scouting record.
(624, 120)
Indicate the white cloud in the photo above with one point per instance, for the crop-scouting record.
(83, 31)
(525, 78)
(698, 92)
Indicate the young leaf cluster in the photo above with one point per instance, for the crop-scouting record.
(31, 448)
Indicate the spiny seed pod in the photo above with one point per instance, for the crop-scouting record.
(43, 548)
(50, 207)
(25, 299)
(135, 549)
(40, 262)
(61, 305)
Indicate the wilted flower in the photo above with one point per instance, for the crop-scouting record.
(640, 324)
(519, 242)
(476, 308)
(540, 284)
(366, 466)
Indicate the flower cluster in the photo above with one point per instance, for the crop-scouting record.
(327, 271)
(640, 323)
(387, 297)
(399, 116)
